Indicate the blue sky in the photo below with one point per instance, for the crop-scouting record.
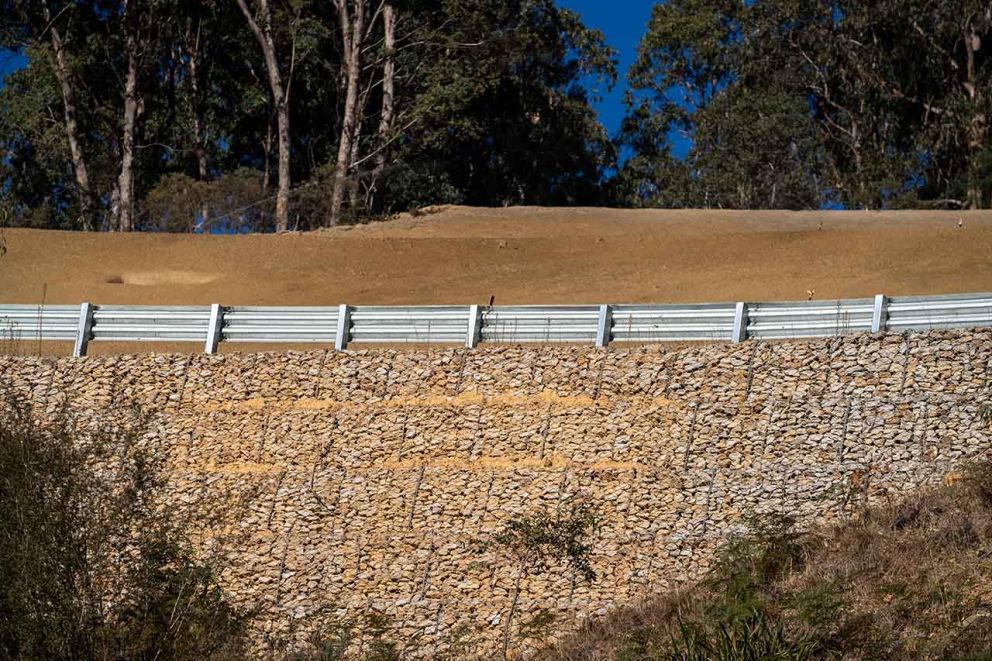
(623, 23)
(10, 62)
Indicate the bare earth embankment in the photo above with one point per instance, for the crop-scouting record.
(519, 255)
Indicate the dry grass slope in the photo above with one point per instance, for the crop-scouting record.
(463, 255)
(911, 580)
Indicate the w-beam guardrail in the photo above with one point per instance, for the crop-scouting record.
(471, 324)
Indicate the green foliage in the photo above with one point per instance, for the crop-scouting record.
(767, 549)
(542, 538)
(375, 644)
(752, 638)
(89, 565)
(904, 580)
(327, 643)
(492, 107)
(178, 202)
(792, 104)
(786, 104)
(503, 116)
(536, 541)
(366, 638)
(539, 625)
(985, 414)
(737, 624)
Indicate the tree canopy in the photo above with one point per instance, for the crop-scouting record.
(254, 115)
(168, 114)
(805, 103)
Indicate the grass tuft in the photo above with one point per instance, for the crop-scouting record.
(912, 580)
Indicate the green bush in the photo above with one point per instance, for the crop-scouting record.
(535, 541)
(90, 566)
(901, 580)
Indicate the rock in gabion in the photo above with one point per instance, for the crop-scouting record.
(329, 485)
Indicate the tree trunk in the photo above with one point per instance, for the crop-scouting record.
(86, 206)
(978, 127)
(388, 92)
(507, 631)
(267, 150)
(124, 194)
(282, 194)
(351, 39)
(356, 146)
(199, 130)
(280, 100)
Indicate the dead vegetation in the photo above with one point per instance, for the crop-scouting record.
(518, 255)
(911, 580)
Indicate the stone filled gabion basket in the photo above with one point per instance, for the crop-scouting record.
(337, 484)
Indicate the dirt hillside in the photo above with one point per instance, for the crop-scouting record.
(518, 255)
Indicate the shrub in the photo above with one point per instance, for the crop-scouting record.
(90, 566)
(906, 580)
(534, 541)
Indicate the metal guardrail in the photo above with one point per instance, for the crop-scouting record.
(39, 322)
(777, 321)
(401, 325)
(535, 323)
(133, 323)
(273, 324)
(672, 323)
(925, 312)
(472, 324)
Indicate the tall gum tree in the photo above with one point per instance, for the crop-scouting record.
(51, 15)
(63, 74)
(351, 16)
(260, 23)
(388, 94)
(122, 204)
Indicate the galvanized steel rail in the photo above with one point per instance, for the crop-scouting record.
(343, 325)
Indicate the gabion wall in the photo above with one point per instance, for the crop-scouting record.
(328, 485)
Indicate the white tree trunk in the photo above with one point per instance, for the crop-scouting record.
(978, 127)
(124, 194)
(352, 28)
(280, 100)
(199, 128)
(71, 127)
(388, 93)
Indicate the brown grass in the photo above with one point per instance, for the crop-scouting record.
(521, 255)
(912, 580)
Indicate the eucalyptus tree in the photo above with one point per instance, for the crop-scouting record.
(702, 79)
(37, 27)
(798, 103)
(279, 63)
(168, 114)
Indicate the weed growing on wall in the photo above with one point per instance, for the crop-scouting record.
(536, 541)
(985, 414)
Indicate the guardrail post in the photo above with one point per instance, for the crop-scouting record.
(604, 325)
(344, 328)
(880, 314)
(474, 326)
(740, 323)
(214, 328)
(83, 330)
